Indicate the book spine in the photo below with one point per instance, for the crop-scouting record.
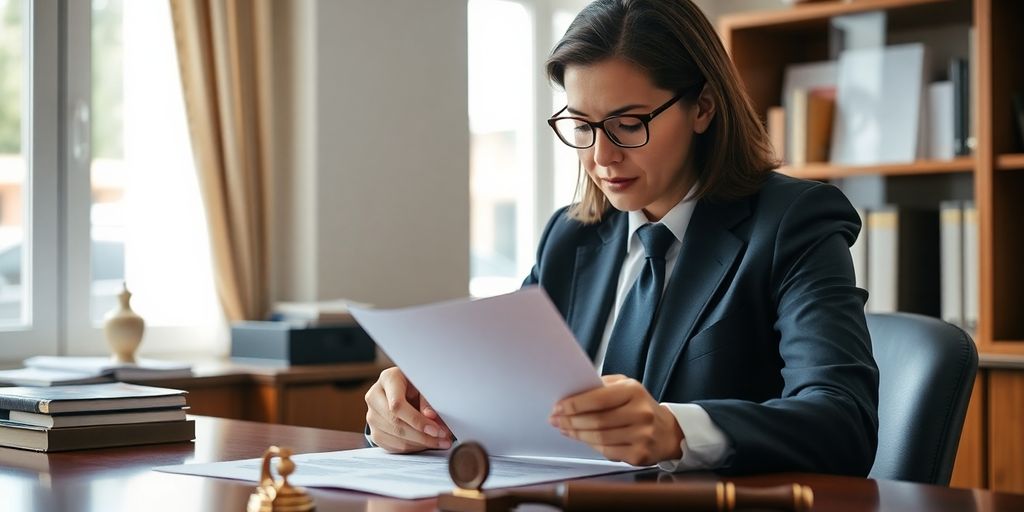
(958, 74)
(951, 255)
(883, 255)
(972, 268)
(796, 129)
(17, 403)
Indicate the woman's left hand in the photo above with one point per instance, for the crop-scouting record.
(622, 421)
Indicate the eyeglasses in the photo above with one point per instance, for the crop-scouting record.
(624, 130)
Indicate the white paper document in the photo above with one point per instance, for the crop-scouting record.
(492, 368)
(423, 475)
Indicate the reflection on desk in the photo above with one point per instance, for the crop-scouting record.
(119, 479)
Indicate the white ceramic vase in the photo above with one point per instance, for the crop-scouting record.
(124, 329)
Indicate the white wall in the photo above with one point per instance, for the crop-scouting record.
(376, 205)
(373, 187)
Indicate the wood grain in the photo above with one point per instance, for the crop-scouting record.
(121, 479)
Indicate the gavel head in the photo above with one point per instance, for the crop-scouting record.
(468, 466)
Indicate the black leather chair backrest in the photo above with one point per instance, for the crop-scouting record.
(926, 370)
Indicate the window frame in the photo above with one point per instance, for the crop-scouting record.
(39, 331)
(57, 246)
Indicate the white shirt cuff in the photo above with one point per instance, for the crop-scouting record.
(704, 445)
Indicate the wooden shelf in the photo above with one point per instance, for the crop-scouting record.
(1001, 361)
(825, 171)
(1010, 162)
(934, 11)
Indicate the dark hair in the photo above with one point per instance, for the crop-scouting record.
(675, 43)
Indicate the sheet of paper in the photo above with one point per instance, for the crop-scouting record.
(423, 475)
(492, 368)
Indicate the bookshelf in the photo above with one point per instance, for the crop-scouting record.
(824, 171)
(763, 44)
(1010, 162)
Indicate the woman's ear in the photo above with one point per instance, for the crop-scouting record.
(705, 111)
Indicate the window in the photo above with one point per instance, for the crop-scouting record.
(117, 200)
(13, 165)
(518, 174)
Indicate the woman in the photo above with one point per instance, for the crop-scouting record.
(716, 296)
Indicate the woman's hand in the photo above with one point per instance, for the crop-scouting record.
(400, 419)
(622, 421)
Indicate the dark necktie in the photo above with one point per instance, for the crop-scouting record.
(627, 347)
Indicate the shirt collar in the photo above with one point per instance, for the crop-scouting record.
(676, 220)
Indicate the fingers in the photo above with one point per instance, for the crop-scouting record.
(621, 436)
(398, 444)
(616, 394)
(612, 379)
(431, 413)
(603, 420)
(396, 421)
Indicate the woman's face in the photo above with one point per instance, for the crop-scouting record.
(653, 177)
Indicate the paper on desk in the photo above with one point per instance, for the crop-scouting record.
(492, 368)
(423, 475)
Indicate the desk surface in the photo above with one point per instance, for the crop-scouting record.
(120, 479)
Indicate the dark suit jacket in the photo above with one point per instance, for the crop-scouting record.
(760, 324)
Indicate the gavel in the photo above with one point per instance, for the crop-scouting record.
(468, 466)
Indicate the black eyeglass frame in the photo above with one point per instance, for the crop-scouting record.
(599, 125)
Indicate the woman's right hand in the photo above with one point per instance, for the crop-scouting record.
(399, 417)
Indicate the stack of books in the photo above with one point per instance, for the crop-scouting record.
(62, 371)
(49, 419)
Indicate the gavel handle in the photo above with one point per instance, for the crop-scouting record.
(709, 497)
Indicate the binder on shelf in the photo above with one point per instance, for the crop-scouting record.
(960, 76)
(952, 262)
(972, 268)
(903, 259)
(878, 105)
(940, 121)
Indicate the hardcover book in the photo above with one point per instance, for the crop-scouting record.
(43, 439)
(103, 366)
(89, 397)
(87, 419)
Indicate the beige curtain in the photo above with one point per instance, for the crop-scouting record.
(224, 50)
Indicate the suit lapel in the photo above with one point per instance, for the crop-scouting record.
(594, 280)
(708, 252)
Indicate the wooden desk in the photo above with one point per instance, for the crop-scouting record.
(120, 479)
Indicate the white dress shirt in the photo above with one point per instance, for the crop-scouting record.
(704, 445)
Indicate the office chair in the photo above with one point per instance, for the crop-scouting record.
(926, 373)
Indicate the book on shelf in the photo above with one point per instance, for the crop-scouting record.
(903, 261)
(89, 397)
(808, 76)
(30, 437)
(959, 75)
(90, 418)
(104, 366)
(809, 126)
(972, 267)
(878, 105)
(328, 312)
(951, 228)
(940, 121)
